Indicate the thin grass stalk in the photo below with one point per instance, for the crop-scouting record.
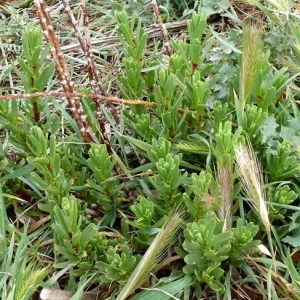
(155, 253)
(5, 275)
(286, 288)
(3, 220)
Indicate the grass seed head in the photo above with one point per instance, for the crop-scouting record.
(250, 173)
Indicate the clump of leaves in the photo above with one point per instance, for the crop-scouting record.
(208, 247)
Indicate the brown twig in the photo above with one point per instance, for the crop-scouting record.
(162, 27)
(86, 47)
(38, 224)
(63, 72)
(104, 98)
(94, 73)
(91, 71)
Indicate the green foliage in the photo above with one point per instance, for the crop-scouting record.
(211, 7)
(187, 7)
(49, 176)
(273, 132)
(169, 178)
(225, 140)
(166, 86)
(36, 72)
(281, 164)
(20, 273)
(243, 241)
(166, 176)
(283, 195)
(118, 267)
(294, 237)
(254, 119)
(208, 246)
(143, 212)
(134, 40)
(104, 188)
(203, 195)
(71, 239)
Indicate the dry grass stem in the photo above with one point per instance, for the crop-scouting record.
(162, 27)
(153, 32)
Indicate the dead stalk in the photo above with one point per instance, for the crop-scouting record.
(162, 27)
